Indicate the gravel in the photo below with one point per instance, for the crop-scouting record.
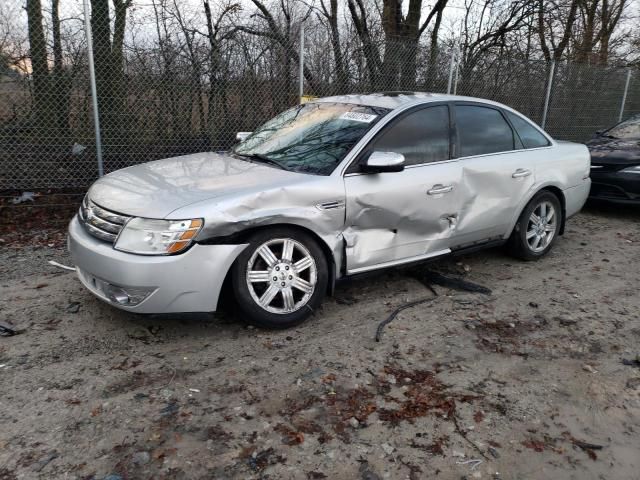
(529, 380)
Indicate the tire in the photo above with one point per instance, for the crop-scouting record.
(278, 289)
(530, 240)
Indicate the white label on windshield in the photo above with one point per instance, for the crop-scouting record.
(358, 117)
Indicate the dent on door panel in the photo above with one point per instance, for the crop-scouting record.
(403, 234)
(491, 195)
(391, 218)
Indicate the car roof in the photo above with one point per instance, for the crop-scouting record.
(393, 100)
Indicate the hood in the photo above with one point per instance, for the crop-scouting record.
(155, 189)
(614, 151)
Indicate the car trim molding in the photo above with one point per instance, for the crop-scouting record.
(401, 261)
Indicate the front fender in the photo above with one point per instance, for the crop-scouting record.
(316, 205)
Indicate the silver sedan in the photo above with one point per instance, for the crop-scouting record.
(327, 189)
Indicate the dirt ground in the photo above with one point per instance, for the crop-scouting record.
(527, 382)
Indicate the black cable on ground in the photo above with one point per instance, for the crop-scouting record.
(428, 277)
(7, 331)
(393, 315)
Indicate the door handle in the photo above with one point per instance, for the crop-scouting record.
(438, 189)
(521, 172)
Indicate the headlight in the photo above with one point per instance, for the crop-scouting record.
(635, 169)
(157, 237)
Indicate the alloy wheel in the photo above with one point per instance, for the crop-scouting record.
(541, 227)
(281, 275)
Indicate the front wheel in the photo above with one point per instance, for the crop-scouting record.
(537, 228)
(280, 278)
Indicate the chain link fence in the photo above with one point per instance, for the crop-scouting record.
(158, 99)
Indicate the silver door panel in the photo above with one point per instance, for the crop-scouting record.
(391, 217)
(492, 187)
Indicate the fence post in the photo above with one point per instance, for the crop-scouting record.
(455, 79)
(548, 95)
(452, 68)
(94, 92)
(624, 95)
(301, 73)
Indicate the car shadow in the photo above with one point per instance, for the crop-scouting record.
(227, 322)
(161, 327)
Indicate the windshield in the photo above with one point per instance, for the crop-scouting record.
(629, 129)
(310, 138)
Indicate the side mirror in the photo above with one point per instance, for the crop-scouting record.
(379, 162)
(240, 136)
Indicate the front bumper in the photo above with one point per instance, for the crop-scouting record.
(615, 186)
(188, 282)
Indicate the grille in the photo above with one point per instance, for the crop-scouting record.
(100, 222)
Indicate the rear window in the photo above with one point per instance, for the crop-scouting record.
(529, 135)
(482, 130)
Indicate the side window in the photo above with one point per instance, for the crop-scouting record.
(530, 136)
(421, 136)
(482, 130)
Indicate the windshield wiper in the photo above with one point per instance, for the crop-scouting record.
(262, 158)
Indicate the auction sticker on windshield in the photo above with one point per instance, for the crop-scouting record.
(358, 117)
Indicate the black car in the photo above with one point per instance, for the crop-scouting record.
(615, 163)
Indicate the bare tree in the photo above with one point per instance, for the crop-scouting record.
(370, 50)
(195, 61)
(488, 29)
(434, 46)
(402, 35)
(599, 20)
(109, 62)
(556, 22)
(39, 64)
(216, 34)
(283, 34)
(60, 81)
(330, 14)
(51, 86)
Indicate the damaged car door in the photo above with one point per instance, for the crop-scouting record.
(497, 172)
(394, 217)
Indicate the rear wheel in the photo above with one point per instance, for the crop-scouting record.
(280, 278)
(537, 228)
